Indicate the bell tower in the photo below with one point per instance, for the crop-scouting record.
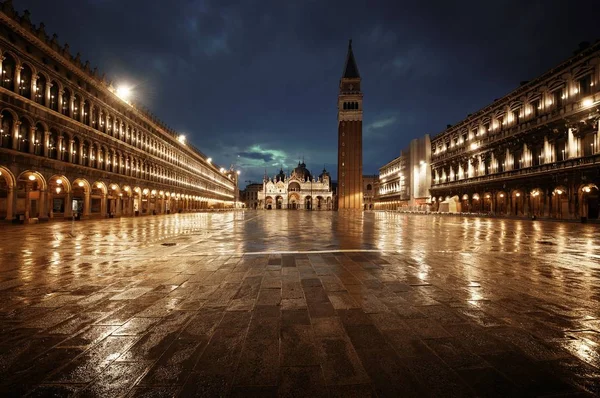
(350, 113)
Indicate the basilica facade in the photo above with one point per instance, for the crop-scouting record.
(297, 190)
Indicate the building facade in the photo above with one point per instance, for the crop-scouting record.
(69, 144)
(250, 195)
(404, 182)
(533, 152)
(350, 113)
(298, 190)
(369, 186)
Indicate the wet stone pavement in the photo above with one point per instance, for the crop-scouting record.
(300, 304)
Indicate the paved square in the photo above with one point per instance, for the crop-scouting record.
(300, 304)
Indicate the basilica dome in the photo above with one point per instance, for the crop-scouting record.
(302, 172)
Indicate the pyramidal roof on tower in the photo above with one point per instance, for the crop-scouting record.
(350, 69)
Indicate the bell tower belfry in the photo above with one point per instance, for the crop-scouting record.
(350, 114)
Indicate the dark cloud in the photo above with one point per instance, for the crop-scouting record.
(237, 75)
(266, 157)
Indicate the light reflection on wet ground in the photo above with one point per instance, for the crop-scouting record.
(273, 302)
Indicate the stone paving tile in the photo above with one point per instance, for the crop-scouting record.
(488, 314)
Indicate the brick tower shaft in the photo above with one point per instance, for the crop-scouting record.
(350, 110)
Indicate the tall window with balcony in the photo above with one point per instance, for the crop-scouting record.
(585, 85)
(8, 72)
(40, 90)
(536, 106)
(558, 97)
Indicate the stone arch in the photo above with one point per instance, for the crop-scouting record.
(60, 180)
(308, 202)
(8, 176)
(66, 101)
(7, 129)
(59, 193)
(86, 116)
(53, 99)
(9, 69)
(590, 201)
(101, 185)
(536, 202)
(81, 183)
(8, 183)
(24, 133)
(77, 105)
(559, 202)
(517, 201)
(25, 80)
(31, 195)
(39, 138)
(501, 199)
(40, 88)
(81, 197)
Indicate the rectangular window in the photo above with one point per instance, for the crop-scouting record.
(536, 105)
(585, 85)
(558, 97)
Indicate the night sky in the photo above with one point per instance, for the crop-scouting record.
(255, 83)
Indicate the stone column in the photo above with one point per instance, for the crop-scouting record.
(60, 101)
(91, 155)
(103, 210)
(70, 150)
(27, 201)
(80, 109)
(71, 105)
(86, 203)
(47, 94)
(43, 210)
(33, 87)
(118, 205)
(99, 157)
(11, 199)
(46, 143)
(15, 134)
(68, 205)
(31, 148)
(59, 148)
(80, 149)
(17, 81)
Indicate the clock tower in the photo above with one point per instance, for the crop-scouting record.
(350, 113)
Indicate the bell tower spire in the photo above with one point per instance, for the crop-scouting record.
(350, 112)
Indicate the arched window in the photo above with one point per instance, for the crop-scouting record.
(92, 156)
(6, 132)
(38, 143)
(369, 187)
(86, 113)
(85, 151)
(66, 101)
(109, 126)
(40, 90)
(75, 153)
(53, 149)
(53, 96)
(25, 81)
(24, 131)
(8, 72)
(76, 107)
